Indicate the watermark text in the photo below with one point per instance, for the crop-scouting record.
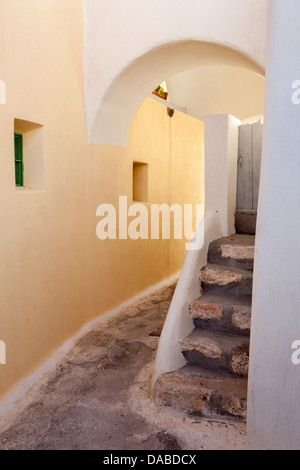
(2, 92)
(296, 355)
(2, 353)
(296, 94)
(161, 222)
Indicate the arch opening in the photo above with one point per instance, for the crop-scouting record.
(117, 108)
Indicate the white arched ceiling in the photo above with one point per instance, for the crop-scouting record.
(131, 47)
(218, 90)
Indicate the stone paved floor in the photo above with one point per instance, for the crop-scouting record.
(97, 397)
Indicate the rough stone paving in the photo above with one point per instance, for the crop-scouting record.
(98, 396)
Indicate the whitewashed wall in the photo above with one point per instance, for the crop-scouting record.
(130, 47)
(274, 380)
(221, 149)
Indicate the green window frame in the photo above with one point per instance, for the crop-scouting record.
(19, 165)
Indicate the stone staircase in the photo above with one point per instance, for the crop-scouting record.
(214, 380)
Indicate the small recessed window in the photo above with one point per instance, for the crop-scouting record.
(19, 168)
(140, 182)
(29, 154)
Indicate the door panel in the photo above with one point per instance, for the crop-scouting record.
(249, 160)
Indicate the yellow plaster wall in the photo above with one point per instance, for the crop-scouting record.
(55, 274)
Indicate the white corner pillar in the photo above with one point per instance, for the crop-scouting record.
(221, 153)
(274, 381)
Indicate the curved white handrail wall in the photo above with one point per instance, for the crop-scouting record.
(179, 323)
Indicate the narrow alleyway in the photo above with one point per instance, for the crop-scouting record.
(97, 397)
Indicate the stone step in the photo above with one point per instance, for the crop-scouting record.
(220, 313)
(236, 251)
(226, 281)
(245, 221)
(217, 351)
(206, 393)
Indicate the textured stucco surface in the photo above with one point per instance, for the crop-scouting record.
(98, 397)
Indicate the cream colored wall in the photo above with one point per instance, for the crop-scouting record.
(55, 274)
(42, 248)
(173, 148)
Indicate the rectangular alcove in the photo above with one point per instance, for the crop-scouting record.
(30, 138)
(140, 182)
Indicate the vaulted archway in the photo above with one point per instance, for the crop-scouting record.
(117, 108)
